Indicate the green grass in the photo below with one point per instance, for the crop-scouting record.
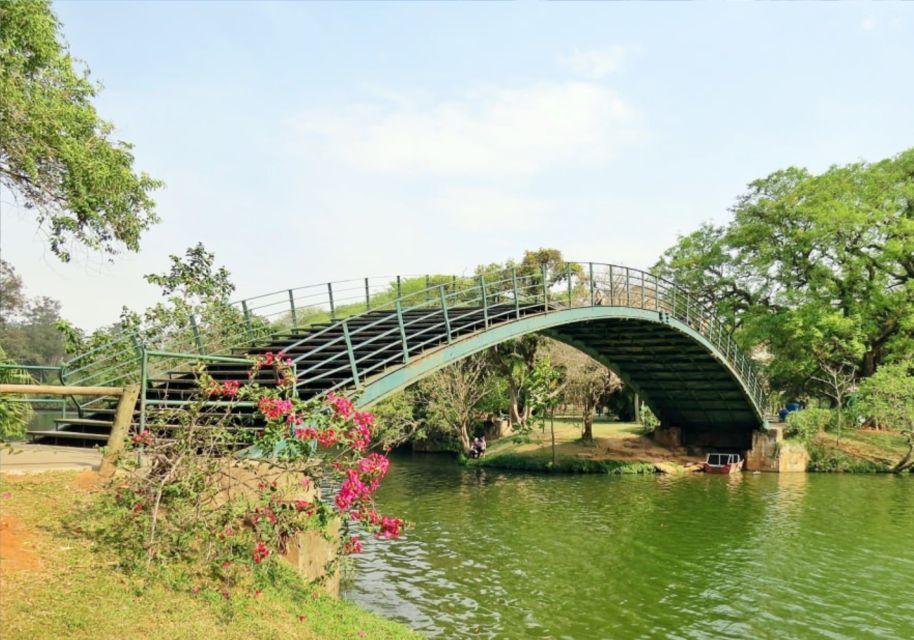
(540, 464)
(75, 590)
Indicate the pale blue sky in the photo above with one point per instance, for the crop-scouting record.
(305, 142)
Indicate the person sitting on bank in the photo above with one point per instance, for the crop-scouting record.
(474, 448)
(482, 445)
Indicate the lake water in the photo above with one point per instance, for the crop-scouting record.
(508, 555)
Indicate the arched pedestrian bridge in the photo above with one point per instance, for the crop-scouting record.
(373, 337)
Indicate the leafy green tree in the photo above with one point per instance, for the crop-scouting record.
(888, 397)
(545, 389)
(514, 361)
(586, 382)
(196, 313)
(814, 270)
(28, 330)
(56, 153)
(453, 395)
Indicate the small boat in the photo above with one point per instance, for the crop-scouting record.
(723, 463)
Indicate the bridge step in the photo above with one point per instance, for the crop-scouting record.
(71, 435)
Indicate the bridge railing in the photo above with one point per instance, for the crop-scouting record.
(394, 331)
(425, 308)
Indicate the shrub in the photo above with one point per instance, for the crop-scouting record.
(649, 421)
(15, 411)
(222, 492)
(804, 424)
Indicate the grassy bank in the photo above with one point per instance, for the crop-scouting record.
(859, 451)
(57, 584)
(617, 448)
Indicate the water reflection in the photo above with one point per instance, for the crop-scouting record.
(502, 555)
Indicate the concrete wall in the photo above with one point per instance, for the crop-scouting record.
(313, 553)
(770, 452)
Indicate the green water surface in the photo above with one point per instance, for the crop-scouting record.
(508, 555)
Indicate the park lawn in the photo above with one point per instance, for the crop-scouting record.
(618, 447)
(56, 584)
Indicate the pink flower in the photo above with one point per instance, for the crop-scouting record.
(144, 437)
(353, 545)
(390, 528)
(260, 553)
(342, 406)
(327, 438)
(274, 409)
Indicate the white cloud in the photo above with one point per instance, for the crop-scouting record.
(484, 133)
(596, 63)
(869, 23)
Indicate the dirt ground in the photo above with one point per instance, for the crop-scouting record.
(16, 550)
(612, 441)
(32, 458)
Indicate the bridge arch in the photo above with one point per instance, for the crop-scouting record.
(689, 384)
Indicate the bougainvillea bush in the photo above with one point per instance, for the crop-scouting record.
(219, 487)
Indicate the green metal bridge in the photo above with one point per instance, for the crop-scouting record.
(374, 336)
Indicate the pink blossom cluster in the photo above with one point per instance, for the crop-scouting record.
(390, 528)
(374, 467)
(362, 481)
(384, 526)
(260, 553)
(360, 435)
(352, 490)
(353, 545)
(144, 437)
(308, 433)
(342, 406)
(271, 359)
(228, 389)
(274, 408)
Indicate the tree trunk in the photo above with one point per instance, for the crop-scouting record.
(587, 434)
(908, 461)
(464, 436)
(513, 412)
(552, 429)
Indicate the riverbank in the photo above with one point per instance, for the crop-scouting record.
(58, 584)
(858, 451)
(617, 448)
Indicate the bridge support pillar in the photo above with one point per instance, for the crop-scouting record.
(669, 437)
(770, 452)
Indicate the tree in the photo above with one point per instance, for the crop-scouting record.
(888, 397)
(56, 153)
(586, 382)
(12, 294)
(839, 382)
(812, 265)
(546, 386)
(452, 396)
(514, 361)
(28, 326)
(399, 419)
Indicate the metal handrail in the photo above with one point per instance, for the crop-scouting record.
(360, 305)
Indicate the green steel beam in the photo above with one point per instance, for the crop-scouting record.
(377, 387)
